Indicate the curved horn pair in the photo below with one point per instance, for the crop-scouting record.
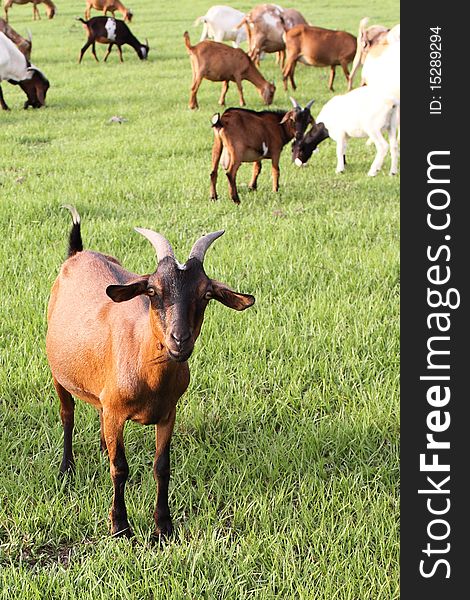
(296, 105)
(163, 247)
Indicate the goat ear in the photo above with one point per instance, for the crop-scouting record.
(121, 293)
(290, 115)
(228, 297)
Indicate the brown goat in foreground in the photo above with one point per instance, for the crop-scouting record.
(218, 62)
(50, 7)
(318, 47)
(121, 342)
(242, 135)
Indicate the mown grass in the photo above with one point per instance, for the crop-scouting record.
(285, 452)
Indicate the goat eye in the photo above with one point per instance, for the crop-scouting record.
(151, 291)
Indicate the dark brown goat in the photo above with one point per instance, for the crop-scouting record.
(121, 341)
(111, 31)
(218, 62)
(242, 135)
(318, 47)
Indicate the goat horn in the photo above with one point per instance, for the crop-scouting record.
(200, 247)
(295, 104)
(161, 244)
(308, 106)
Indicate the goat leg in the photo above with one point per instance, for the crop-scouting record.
(344, 66)
(103, 448)
(332, 77)
(216, 154)
(240, 91)
(83, 50)
(93, 51)
(288, 72)
(113, 432)
(194, 88)
(224, 93)
(275, 172)
(256, 171)
(3, 104)
(232, 183)
(161, 471)
(67, 409)
(108, 52)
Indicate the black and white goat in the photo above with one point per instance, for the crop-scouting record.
(17, 70)
(111, 31)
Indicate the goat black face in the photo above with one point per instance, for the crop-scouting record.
(302, 149)
(143, 51)
(36, 89)
(179, 295)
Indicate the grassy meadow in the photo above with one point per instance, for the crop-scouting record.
(285, 456)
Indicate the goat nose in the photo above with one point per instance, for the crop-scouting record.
(180, 338)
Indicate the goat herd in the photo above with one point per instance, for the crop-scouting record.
(128, 357)
(242, 135)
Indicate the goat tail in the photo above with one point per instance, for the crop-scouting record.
(75, 236)
(216, 121)
(187, 41)
(199, 20)
(82, 20)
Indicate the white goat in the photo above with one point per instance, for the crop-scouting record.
(17, 70)
(220, 25)
(382, 70)
(363, 112)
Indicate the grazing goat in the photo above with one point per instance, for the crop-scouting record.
(24, 44)
(49, 5)
(242, 135)
(317, 47)
(363, 112)
(218, 62)
(17, 70)
(111, 31)
(108, 6)
(220, 24)
(265, 26)
(121, 342)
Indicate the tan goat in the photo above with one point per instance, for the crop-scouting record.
(218, 62)
(121, 341)
(318, 47)
(49, 5)
(106, 6)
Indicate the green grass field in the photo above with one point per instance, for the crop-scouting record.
(285, 469)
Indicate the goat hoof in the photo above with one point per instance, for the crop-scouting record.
(122, 531)
(236, 200)
(164, 529)
(66, 467)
